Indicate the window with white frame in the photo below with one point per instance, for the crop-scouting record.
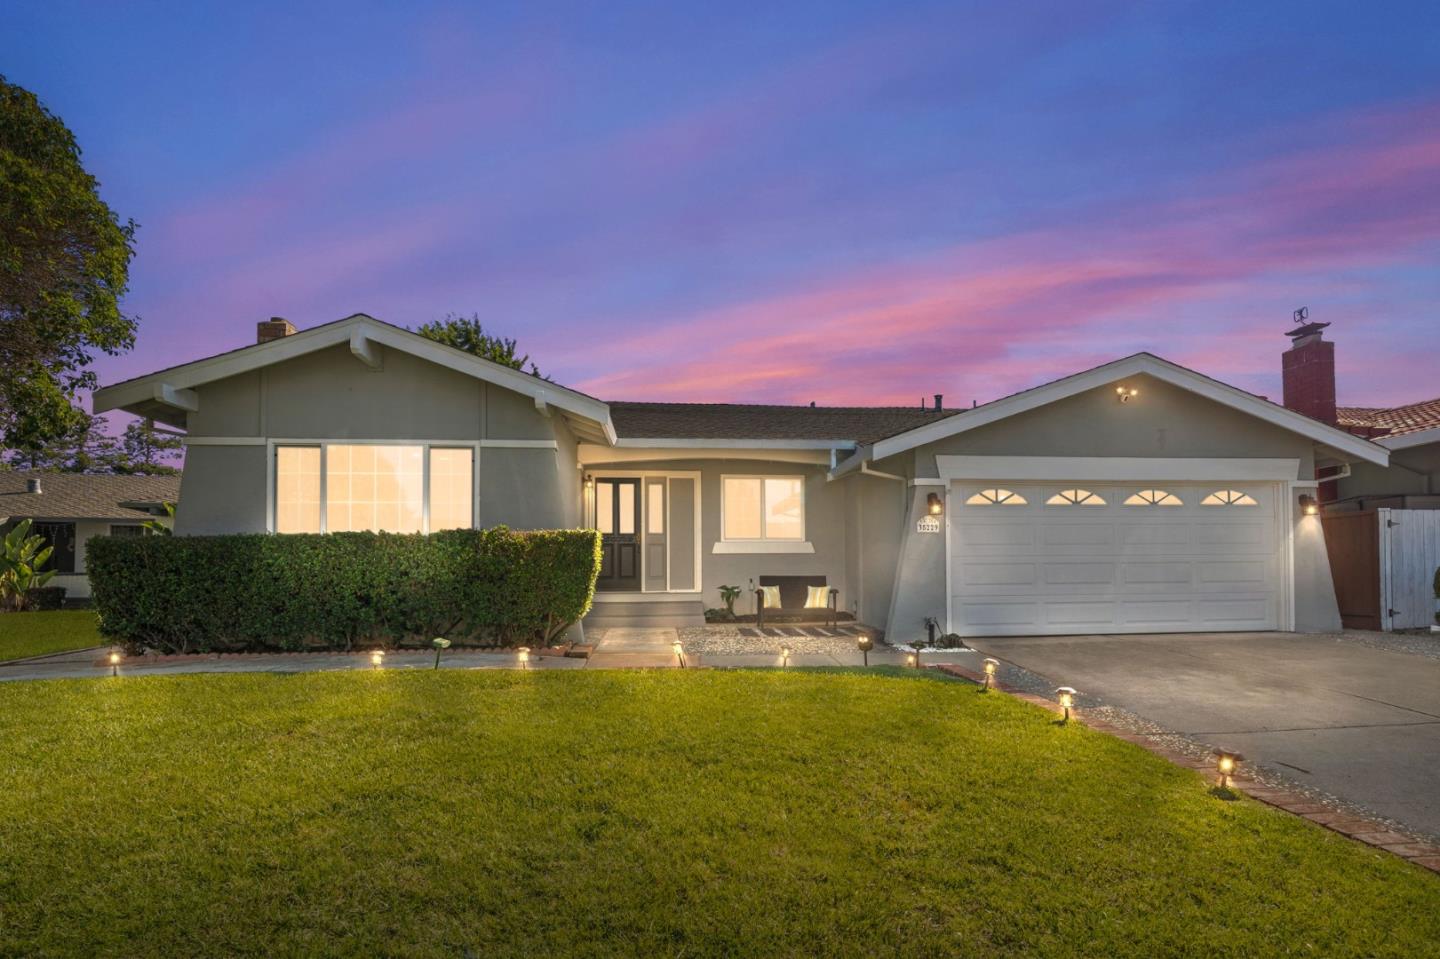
(399, 488)
(762, 507)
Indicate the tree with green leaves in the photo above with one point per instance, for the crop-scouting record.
(64, 267)
(84, 446)
(468, 334)
(144, 450)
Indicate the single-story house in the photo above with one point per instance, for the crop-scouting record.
(1137, 496)
(67, 509)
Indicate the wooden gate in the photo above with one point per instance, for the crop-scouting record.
(1353, 542)
(1409, 548)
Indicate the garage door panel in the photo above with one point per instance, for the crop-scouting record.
(1079, 574)
(998, 574)
(1114, 568)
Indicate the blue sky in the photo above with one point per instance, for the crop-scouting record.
(849, 203)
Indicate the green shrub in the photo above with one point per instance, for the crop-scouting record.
(491, 587)
(44, 598)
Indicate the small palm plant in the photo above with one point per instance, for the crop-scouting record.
(22, 558)
(729, 594)
(156, 528)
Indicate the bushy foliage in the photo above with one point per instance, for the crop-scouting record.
(22, 566)
(336, 591)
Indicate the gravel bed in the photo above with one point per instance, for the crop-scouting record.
(1417, 642)
(727, 640)
(1090, 705)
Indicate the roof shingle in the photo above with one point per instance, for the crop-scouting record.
(743, 421)
(67, 496)
(1392, 421)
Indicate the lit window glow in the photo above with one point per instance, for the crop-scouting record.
(995, 497)
(1228, 497)
(297, 489)
(1075, 497)
(1153, 497)
(452, 489)
(763, 507)
(373, 487)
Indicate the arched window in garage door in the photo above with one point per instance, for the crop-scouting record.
(996, 497)
(1153, 497)
(1228, 497)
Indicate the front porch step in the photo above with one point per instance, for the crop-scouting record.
(610, 615)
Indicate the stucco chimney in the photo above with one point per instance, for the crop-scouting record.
(939, 397)
(273, 329)
(1308, 372)
(32, 485)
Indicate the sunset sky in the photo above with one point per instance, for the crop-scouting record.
(848, 203)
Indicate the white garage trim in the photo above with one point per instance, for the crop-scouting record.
(1122, 600)
(1119, 469)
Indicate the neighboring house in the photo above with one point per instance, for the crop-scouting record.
(67, 509)
(1411, 480)
(1138, 496)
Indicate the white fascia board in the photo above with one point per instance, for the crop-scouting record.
(1121, 468)
(592, 453)
(733, 444)
(168, 394)
(1137, 365)
(1406, 441)
(372, 331)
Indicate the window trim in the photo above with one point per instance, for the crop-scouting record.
(273, 474)
(762, 538)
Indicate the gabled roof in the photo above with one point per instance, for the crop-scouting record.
(1394, 420)
(167, 395)
(834, 425)
(1103, 376)
(71, 496)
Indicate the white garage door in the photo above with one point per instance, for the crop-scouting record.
(1062, 558)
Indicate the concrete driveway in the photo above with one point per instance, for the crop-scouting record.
(1360, 723)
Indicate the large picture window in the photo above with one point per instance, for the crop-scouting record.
(763, 507)
(341, 487)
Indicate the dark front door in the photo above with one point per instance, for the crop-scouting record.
(617, 517)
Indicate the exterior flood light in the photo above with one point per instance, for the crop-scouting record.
(439, 642)
(990, 666)
(524, 652)
(377, 658)
(784, 656)
(679, 653)
(114, 662)
(1308, 505)
(934, 505)
(865, 644)
(1066, 696)
(1126, 393)
(1225, 763)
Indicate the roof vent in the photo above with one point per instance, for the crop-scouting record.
(32, 485)
(939, 398)
(275, 328)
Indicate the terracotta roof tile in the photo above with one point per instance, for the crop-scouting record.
(67, 496)
(741, 421)
(1411, 418)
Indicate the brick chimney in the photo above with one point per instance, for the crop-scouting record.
(273, 329)
(1308, 369)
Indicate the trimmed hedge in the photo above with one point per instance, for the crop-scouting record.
(490, 587)
(44, 598)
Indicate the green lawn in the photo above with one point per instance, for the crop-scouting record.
(35, 634)
(642, 813)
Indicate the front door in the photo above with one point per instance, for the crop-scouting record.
(617, 517)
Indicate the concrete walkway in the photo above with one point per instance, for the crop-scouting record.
(619, 648)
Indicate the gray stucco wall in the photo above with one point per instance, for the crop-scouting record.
(1414, 471)
(330, 395)
(1164, 421)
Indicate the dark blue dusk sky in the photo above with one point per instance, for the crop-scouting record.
(848, 203)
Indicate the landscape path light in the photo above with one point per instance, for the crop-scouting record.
(865, 644)
(679, 653)
(524, 652)
(1225, 763)
(377, 658)
(114, 662)
(990, 666)
(1066, 696)
(439, 642)
(784, 656)
(912, 659)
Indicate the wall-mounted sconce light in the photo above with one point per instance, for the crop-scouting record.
(934, 505)
(1308, 505)
(589, 482)
(1126, 393)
